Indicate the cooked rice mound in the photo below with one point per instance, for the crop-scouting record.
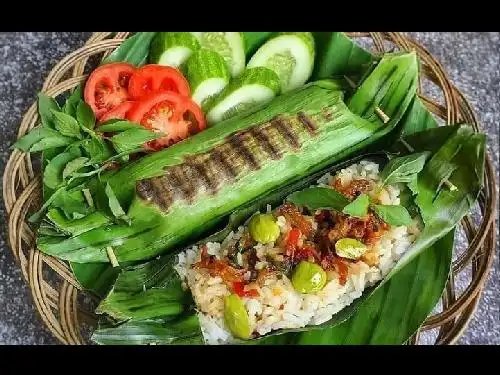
(278, 305)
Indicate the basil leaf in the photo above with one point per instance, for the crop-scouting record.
(113, 126)
(413, 184)
(72, 102)
(316, 198)
(53, 172)
(132, 139)
(72, 204)
(85, 115)
(358, 207)
(401, 169)
(41, 139)
(392, 214)
(114, 205)
(48, 230)
(97, 150)
(66, 124)
(46, 106)
(73, 166)
(50, 201)
(407, 200)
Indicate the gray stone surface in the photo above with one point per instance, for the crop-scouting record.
(471, 59)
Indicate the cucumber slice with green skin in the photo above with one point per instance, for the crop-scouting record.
(229, 45)
(207, 74)
(253, 87)
(290, 56)
(173, 48)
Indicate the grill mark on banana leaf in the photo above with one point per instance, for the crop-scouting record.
(219, 160)
(201, 171)
(284, 127)
(144, 189)
(179, 179)
(163, 192)
(308, 124)
(240, 147)
(264, 141)
(154, 190)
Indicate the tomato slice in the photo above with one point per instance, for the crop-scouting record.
(177, 116)
(292, 242)
(238, 288)
(107, 87)
(154, 78)
(117, 113)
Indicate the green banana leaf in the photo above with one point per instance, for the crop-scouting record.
(417, 119)
(185, 330)
(391, 86)
(338, 55)
(95, 277)
(134, 284)
(379, 320)
(253, 40)
(159, 273)
(134, 50)
(435, 242)
(395, 311)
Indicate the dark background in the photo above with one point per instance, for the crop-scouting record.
(472, 61)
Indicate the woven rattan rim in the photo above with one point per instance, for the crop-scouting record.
(56, 293)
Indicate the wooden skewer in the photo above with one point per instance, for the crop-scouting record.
(385, 119)
(112, 257)
(383, 116)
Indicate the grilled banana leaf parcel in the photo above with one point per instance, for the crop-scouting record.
(167, 198)
(312, 260)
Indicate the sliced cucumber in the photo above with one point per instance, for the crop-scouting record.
(229, 45)
(207, 74)
(253, 87)
(290, 56)
(173, 48)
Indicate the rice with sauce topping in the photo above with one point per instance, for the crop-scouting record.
(278, 305)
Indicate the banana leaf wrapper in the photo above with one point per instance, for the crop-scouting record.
(457, 155)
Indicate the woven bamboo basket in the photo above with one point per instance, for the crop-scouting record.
(67, 310)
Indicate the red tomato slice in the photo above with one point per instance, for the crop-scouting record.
(117, 113)
(238, 288)
(107, 87)
(154, 78)
(168, 112)
(292, 241)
